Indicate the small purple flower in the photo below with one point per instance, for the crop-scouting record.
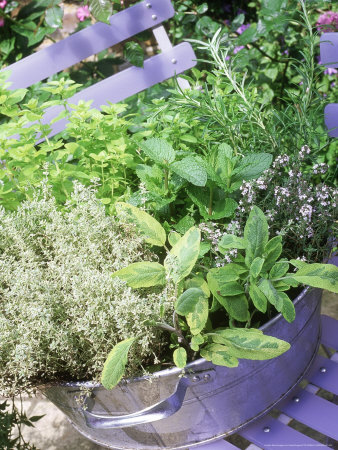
(83, 13)
(238, 49)
(242, 28)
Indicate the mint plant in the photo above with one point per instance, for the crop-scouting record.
(210, 180)
(255, 282)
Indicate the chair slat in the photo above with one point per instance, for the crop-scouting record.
(129, 82)
(331, 118)
(218, 445)
(324, 374)
(329, 332)
(312, 411)
(329, 49)
(93, 39)
(269, 433)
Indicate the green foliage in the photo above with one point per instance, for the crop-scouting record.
(142, 274)
(24, 31)
(180, 357)
(12, 419)
(148, 227)
(133, 53)
(115, 365)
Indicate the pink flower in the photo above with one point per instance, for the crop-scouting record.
(328, 21)
(330, 71)
(2, 22)
(3, 3)
(83, 13)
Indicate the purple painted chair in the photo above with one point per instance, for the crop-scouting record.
(145, 15)
(329, 57)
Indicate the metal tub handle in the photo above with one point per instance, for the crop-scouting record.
(159, 411)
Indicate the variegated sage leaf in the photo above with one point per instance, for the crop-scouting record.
(142, 274)
(186, 302)
(219, 355)
(256, 267)
(272, 252)
(279, 270)
(323, 276)
(288, 308)
(149, 228)
(229, 241)
(114, 367)
(258, 298)
(271, 294)
(182, 257)
(231, 288)
(256, 235)
(199, 316)
(250, 343)
(180, 357)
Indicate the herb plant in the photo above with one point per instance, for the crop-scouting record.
(255, 282)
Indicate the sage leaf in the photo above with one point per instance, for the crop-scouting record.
(173, 238)
(114, 367)
(229, 241)
(159, 150)
(219, 355)
(197, 319)
(256, 234)
(196, 341)
(298, 263)
(251, 166)
(204, 248)
(186, 302)
(142, 274)
(149, 228)
(279, 269)
(198, 282)
(272, 252)
(247, 343)
(288, 308)
(191, 170)
(180, 357)
(183, 256)
(271, 294)
(256, 266)
(258, 298)
(231, 288)
(323, 276)
(237, 305)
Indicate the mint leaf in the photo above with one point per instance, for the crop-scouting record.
(191, 170)
(158, 150)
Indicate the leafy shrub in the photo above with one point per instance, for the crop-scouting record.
(60, 307)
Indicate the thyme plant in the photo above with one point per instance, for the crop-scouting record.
(60, 307)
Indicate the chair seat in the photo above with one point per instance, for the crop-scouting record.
(312, 412)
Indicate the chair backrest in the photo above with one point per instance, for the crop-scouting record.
(145, 15)
(329, 57)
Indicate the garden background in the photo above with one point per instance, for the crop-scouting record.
(265, 38)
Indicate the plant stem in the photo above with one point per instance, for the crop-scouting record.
(211, 195)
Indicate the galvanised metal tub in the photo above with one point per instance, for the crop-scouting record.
(171, 411)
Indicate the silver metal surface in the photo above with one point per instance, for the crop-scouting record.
(211, 407)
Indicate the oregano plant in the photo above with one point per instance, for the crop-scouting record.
(255, 282)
